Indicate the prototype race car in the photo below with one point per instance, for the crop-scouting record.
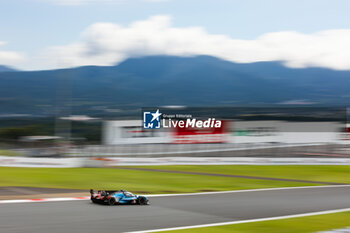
(117, 197)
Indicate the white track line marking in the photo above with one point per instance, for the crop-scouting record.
(245, 221)
(172, 195)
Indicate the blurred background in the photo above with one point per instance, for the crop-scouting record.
(309, 132)
(75, 76)
(75, 86)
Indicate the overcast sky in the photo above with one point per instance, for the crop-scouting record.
(46, 34)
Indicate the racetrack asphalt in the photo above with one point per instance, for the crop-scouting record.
(168, 211)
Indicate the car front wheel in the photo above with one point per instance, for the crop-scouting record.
(142, 201)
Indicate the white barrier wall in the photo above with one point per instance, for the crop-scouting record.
(286, 132)
(223, 161)
(131, 132)
(15, 161)
(112, 161)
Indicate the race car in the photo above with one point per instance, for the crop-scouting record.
(109, 197)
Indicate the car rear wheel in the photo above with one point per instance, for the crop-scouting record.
(112, 201)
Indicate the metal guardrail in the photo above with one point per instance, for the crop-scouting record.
(219, 150)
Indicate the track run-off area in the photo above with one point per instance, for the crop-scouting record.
(169, 210)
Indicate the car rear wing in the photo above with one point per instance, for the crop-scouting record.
(106, 191)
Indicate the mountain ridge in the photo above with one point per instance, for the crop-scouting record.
(171, 80)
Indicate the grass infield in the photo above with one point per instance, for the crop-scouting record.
(323, 173)
(160, 182)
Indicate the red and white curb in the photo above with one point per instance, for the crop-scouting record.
(44, 200)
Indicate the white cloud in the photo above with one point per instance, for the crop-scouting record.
(9, 58)
(108, 44)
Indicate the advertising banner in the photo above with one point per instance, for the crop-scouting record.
(191, 135)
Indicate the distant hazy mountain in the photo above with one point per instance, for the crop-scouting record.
(168, 80)
(6, 69)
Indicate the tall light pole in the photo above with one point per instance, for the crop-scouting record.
(63, 105)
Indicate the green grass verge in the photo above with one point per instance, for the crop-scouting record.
(310, 224)
(9, 153)
(137, 181)
(324, 173)
(159, 182)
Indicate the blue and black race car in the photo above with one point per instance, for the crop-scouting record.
(109, 197)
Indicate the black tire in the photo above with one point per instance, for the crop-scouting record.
(112, 201)
(93, 200)
(142, 201)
